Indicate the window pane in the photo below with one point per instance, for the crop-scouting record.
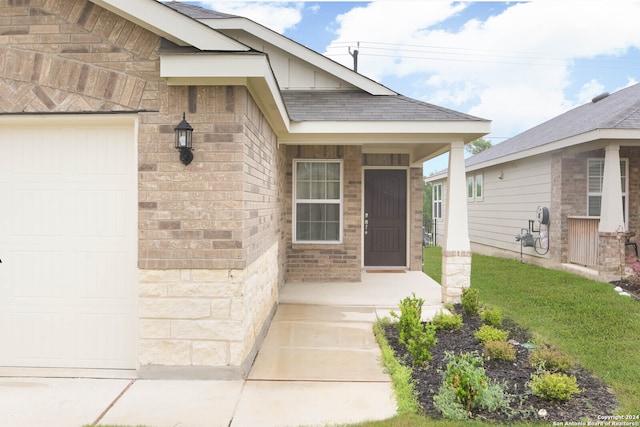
(303, 231)
(594, 205)
(470, 187)
(333, 213)
(318, 213)
(333, 190)
(303, 171)
(304, 212)
(318, 171)
(318, 190)
(303, 190)
(333, 171)
(478, 185)
(333, 231)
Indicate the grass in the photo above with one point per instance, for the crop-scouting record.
(583, 318)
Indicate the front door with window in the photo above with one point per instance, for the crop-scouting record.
(385, 217)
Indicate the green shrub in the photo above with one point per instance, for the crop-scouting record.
(470, 301)
(489, 333)
(447, 322)
(554, 386)
(499, 350)
(491, 317)
(422, 340)
(466, 387)
(409, 318)
(550, 359)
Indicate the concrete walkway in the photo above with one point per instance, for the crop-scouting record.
(319, 365)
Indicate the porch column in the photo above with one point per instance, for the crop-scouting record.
(456, 252)
(611, 226)
(611, 216)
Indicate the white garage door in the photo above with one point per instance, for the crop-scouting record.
(68, 243)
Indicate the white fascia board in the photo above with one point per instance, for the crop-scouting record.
(172, 25)
(460, 128)
(221, 69)
(594, 135)
(300, 51)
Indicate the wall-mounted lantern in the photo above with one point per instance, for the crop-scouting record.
(184, 142)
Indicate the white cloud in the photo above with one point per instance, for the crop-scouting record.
(513, 68)
(275, 15)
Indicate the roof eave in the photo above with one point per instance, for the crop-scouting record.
(170, 24)
(241, 69)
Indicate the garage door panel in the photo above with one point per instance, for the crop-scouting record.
(68, 295)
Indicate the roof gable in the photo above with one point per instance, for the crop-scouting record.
(620, 110)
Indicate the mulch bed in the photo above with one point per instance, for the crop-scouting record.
(595, 400)
(631, 287)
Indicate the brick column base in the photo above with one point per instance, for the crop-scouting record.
(611, 255)
(456, 274)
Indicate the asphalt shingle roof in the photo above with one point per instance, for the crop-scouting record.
(620, 110)
(362, 106)
(197, 12)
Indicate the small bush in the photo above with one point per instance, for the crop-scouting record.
(409, 318)
(499, 350)
(422, 340)
(447, 322)
(491, 317)
(470, 301)
(489, 333)
(466, 387)
(554, 386)
(550, 359)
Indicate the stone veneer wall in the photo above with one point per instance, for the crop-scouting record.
(328, 262)
(211, 257)
(205, 323)
(416, 218)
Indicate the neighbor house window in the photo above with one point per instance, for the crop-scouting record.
(594, 186)
(317, 204)
(437, 200)
(470, 188)
(479, 188)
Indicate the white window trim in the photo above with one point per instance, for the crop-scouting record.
(471, 185)
(625, 194)
(295, 201)
(480, 197)
(436, 213)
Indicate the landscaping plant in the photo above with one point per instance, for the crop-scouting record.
(489, 333)
(470, 301)
(554, 386)
(499, 350)
(447, 322)
(467, 387)
(550, 359)
(410, 316)
(491, 317)
(419, 337)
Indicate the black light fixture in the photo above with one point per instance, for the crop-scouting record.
(184, 142)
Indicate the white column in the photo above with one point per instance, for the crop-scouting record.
(611, 216)
(456, 253)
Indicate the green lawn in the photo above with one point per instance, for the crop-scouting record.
(585, 319)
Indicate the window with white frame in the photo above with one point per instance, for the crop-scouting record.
(595, 170)
(479, 188)
(317, 201)
(437, 201)
(470, 188)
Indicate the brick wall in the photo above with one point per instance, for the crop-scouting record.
(74, 56)
(416, 208)
(328, 262)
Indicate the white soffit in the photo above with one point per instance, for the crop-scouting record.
(172, 25)
(250, 70)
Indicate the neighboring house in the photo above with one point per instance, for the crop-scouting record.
(582, 166)
(116, 256)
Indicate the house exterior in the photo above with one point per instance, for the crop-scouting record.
(582, 166)
(117, 259)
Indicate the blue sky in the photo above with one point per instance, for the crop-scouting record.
(514, 63)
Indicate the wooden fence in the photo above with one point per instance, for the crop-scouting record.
(583, 240)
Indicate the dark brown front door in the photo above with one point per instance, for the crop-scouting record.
(385, 217)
